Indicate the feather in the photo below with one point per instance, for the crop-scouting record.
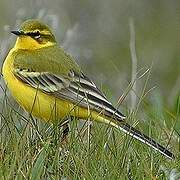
(74, 87)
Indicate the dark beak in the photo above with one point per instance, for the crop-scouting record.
(17, 33)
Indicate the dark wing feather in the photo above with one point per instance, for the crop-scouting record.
(75, 87)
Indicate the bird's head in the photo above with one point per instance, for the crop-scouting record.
(33, 34)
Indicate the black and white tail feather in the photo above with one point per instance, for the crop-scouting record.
(80, 90)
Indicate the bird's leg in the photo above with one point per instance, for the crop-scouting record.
(65, 133)
(65, 130)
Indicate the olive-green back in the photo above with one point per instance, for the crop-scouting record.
(51, 59)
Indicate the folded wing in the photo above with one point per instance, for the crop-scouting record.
(75, 87)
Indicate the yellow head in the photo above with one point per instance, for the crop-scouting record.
(34, 35)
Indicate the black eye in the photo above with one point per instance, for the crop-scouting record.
(35, 34)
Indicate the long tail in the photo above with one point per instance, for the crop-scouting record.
(126, 128)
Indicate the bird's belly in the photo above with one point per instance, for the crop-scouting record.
(38, 103)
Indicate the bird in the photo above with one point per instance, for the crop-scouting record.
(48, 83)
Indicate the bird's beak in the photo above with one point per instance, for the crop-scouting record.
(17, 33)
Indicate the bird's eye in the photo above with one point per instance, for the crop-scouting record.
(37, 35)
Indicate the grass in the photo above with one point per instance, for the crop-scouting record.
(31, 149)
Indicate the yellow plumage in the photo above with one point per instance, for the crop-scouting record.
(48, 83)
(40, 104)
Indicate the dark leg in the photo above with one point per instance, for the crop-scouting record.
(65, 133)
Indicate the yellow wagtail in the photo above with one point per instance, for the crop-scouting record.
(48, 83)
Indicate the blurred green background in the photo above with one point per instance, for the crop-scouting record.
(97, 34)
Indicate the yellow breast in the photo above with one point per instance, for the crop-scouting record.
(36, 102)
